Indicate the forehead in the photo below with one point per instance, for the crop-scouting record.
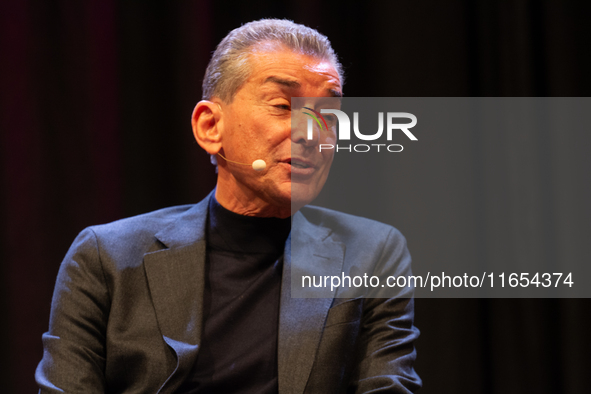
(270, 65)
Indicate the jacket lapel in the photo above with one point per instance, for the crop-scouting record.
(310, 251)
(176, 280)
(176, 273)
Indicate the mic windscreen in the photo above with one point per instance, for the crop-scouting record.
(259, 165)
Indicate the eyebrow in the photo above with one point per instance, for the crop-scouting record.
(289, 83)
(284, 82)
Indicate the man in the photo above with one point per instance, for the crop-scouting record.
(196, 299)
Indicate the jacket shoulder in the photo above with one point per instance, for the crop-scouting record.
(347, 225)
(127, 240)
(155, 219)
(149, 222)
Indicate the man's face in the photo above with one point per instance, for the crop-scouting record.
(257, 125)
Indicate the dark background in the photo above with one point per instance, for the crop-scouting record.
(96, 98)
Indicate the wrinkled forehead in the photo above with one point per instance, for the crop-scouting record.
(275, 55)
(300, 74)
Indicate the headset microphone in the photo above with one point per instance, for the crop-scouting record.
(257, 165)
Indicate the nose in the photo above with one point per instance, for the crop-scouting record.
(305, 128)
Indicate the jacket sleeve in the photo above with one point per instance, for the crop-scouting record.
(386, 350)
(74, 347)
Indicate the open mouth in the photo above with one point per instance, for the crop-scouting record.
(297, 163)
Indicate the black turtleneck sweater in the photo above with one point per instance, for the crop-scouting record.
(241, 304)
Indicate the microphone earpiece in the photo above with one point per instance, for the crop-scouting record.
(257, 165)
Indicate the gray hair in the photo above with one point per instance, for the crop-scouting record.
(229, 67)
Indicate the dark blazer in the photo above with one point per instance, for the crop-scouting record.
(127, 308)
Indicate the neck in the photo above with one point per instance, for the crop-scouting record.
(244, 201)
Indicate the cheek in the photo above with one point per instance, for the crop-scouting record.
(327, 157)
(329, 137)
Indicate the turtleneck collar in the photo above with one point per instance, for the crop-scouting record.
(230, 231)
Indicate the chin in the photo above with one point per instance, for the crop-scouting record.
(302, 194)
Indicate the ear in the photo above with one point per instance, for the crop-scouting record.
(207, 126)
